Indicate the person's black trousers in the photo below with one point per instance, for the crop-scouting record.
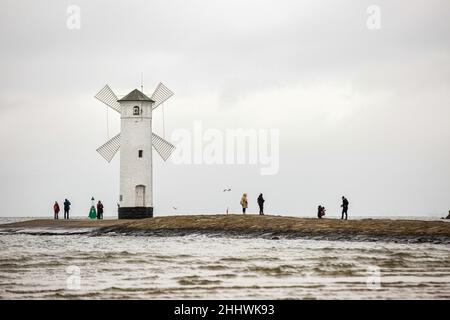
(261, 209)
(344, 211)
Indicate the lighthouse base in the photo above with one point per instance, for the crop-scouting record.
(135, 212)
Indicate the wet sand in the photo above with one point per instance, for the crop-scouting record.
(272, 227)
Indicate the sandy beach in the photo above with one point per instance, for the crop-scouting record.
(259, 226)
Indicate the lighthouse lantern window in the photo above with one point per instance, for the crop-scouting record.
(140, 153)
(136, 111)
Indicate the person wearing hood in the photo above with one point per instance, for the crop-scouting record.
(261, 204)
(56, 210)
(244, 203)
(99, 210)
(66, 208)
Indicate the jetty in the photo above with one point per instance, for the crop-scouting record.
(268, 226)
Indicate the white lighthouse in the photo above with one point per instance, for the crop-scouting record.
(135, 142)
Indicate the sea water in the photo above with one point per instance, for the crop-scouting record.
(84, 266)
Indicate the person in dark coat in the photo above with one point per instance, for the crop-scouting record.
(66, 208)
(320, 212)
(56, 210)
(99, 210)
(344, 206)
(261, 204)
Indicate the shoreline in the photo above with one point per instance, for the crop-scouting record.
(248, 226)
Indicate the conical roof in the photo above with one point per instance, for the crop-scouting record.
(136, 95)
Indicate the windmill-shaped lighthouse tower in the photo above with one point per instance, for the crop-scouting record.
(135, 142)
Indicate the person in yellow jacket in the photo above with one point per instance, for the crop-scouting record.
(244, 203)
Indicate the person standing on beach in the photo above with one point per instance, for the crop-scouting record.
(244, 203)
(261, 204)
(344, 206)
(320, 211)
(56, 210)
(66, 208)
(99, 210)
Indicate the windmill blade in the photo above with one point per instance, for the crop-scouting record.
(109, 149)
(163, 147)
(161, 94)
(107, 96)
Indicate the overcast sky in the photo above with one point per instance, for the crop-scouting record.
(360, 112)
